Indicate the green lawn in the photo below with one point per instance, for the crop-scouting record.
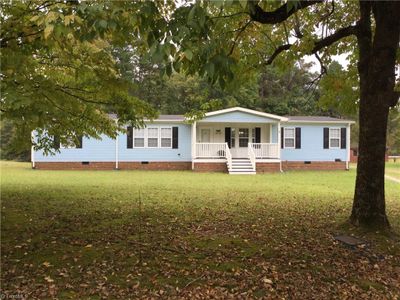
(86, 235)
(393, 169)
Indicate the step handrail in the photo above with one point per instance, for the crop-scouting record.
(252, 155)
(228, 156)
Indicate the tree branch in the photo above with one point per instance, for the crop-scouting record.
(277, 52)
(333, 38)
(243, 28)
(318, 45)
(278, 15)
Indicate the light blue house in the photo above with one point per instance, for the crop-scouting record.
(235, 140)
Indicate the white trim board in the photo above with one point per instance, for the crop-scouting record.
(245, 110)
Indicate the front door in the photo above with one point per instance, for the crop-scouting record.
(240, 138)
(205, 134)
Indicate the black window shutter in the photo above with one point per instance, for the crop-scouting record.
(79, 145)
(258, 135)
(282, 130)
(326, 138)
(228, 136)
(175, 137)
(343, 138)
(129, 137)
(56, 142)
(298, 138)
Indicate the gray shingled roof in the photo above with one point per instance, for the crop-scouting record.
(290, 118)
(171, 117)
(315, 119)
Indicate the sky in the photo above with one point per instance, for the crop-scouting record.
(342, 59)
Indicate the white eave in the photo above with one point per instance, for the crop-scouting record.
(321, 122)
(245, 110)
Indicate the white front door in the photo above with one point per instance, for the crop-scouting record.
(240, 138)
(205, 134)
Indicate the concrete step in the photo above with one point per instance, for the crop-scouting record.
(242, 173)
(242, 167)
(242, 170)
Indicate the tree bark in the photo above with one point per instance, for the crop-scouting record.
(377, 60)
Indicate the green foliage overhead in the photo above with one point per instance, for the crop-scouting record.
(58, 73)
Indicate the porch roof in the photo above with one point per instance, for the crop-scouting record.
(246, 111)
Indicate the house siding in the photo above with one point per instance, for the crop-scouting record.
(182, 153)
(312, 144)
(92, 150)
(104, 150)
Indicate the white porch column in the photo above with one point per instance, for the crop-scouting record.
(279, 146)
(270, 133)
(193, 143)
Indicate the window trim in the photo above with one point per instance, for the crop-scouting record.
(331, 138)
(248, 136)
(146, 134)
(160, 137)
(146, 137)
(284, 138)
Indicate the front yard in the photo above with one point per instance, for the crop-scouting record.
(130, 234)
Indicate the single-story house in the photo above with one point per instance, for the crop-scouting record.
(234, 140)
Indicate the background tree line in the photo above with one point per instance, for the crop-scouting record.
(281, 90)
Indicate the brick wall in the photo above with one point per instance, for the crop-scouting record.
(156, 165)
(314, 165)
(199, 167)
(210, 167)
(267, 167)
(74, 166)
(111, 166)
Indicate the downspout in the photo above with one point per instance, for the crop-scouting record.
(116, 148)
(32, 150)
(116, 152)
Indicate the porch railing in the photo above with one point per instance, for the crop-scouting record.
(211, 150)
(265, 150)
(252, 156)
(228, 156)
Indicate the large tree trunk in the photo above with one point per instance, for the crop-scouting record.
(377, 77)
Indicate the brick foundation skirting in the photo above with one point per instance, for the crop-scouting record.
(314, 165)
(210, 167)
(267, 167)
(198, 166)
(156, 165)
(111, 166)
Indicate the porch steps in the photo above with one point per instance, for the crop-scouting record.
(241, 166)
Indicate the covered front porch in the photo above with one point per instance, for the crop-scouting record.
(241, 138)
(238, 140)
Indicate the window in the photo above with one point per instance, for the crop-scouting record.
(289, 137)
(334, 137)
(243, 137)
(138, 138)
(166, 137)
(152, 137)
(253, 135)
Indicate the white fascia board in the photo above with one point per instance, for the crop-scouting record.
(245, 110)
(321, 122)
